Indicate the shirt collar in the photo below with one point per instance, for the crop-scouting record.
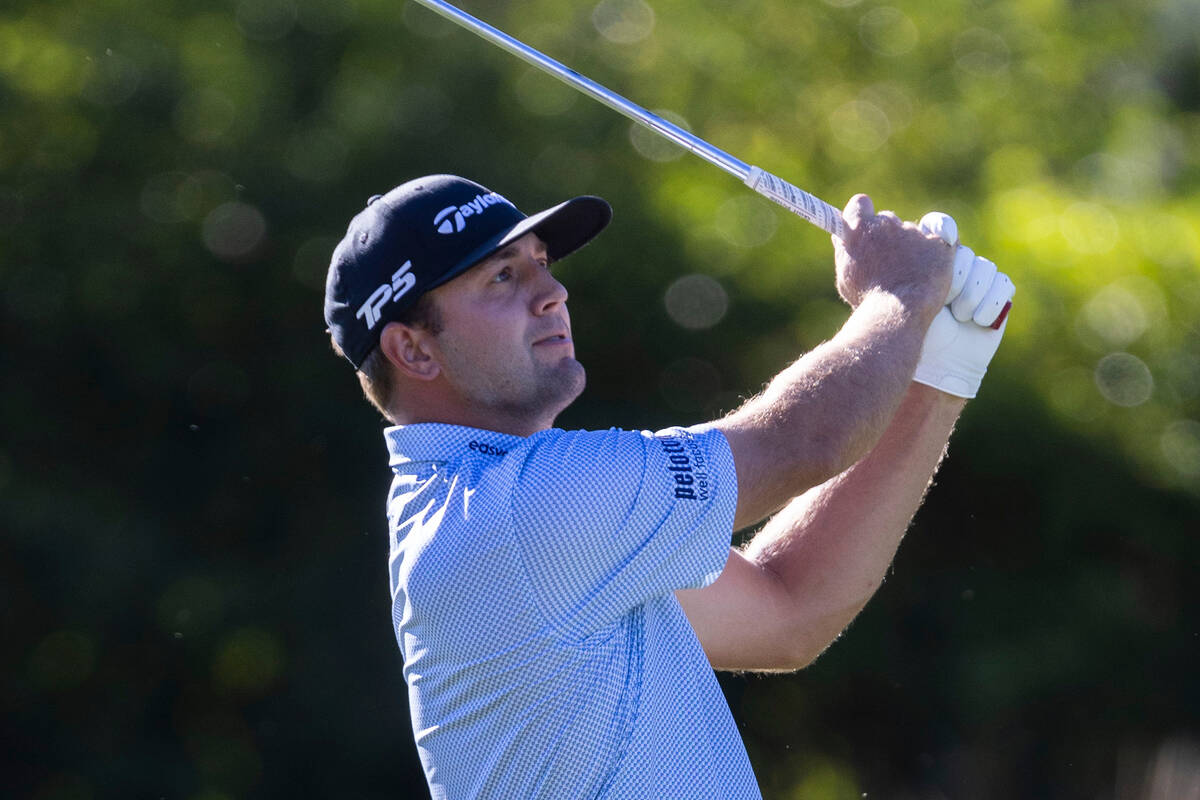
(436, 441)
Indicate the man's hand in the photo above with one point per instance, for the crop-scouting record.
(961, 340)
(829, 408)
(882, 254)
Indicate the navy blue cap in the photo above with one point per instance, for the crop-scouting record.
(425, 232)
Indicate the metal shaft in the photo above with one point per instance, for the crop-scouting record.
(616, 102)
(795, 199)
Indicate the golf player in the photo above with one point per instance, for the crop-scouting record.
(561, 597)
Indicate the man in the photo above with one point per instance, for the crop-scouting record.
(561, 597)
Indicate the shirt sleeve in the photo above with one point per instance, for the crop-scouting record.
(606, 520)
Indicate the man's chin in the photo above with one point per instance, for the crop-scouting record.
(576, 379)
(567, 384)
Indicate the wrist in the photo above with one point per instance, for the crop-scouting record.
(935, 399)
(908, 308)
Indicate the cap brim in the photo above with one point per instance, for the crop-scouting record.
(564, 228)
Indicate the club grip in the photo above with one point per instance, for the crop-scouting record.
(796, 200)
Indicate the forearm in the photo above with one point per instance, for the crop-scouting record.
(825, 411)
(831, 547)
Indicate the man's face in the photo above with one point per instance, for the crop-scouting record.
(505, 342)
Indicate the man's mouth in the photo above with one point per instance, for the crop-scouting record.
(557, 338)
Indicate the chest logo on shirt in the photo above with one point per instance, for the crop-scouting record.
(486, 449)
(687, 466)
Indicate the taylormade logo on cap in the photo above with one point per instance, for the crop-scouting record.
(402, 281)
(453, 219)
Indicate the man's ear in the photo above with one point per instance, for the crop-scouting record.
(407, 348)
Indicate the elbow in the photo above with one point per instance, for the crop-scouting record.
(808, 645)
(811, 634)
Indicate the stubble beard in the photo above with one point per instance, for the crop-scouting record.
(531, 403)
(555, 389)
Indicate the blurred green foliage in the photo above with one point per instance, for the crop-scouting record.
(192, 559)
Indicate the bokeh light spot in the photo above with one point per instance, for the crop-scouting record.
(1180, 444)
(623, 21)
(203, 191)
(1027, 214)
(249, 661)
(172, 197)
(1124, 380)
(1115, 178)
(265, 20)
(191, 606)
(696, 302)
(1113, 318)
(746, 221)
(653, 146)
(981, 52)
(233, 231)
(1183, 375)
(888, 31)
(826, 778)
(111, 79)
(42, 64)
(860, 125)
(1089, 228)
(892, 101)
(205, 116)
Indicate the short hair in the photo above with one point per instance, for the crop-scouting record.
(377, 375)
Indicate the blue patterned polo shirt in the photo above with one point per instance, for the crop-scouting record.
(533, 600)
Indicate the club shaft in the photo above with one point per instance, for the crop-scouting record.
(797, 200)
(616, 102)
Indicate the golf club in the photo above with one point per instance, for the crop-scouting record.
(793, 198)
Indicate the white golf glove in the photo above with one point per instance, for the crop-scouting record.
(962, 340)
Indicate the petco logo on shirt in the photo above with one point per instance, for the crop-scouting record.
(452, 219)
(402, 281)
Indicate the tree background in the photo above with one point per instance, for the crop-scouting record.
(192, 555)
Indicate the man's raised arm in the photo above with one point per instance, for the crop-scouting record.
(806, 575)
(829, 408)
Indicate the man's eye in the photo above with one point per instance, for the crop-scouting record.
(503, 275)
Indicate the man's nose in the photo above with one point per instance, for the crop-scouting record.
(550, 292)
